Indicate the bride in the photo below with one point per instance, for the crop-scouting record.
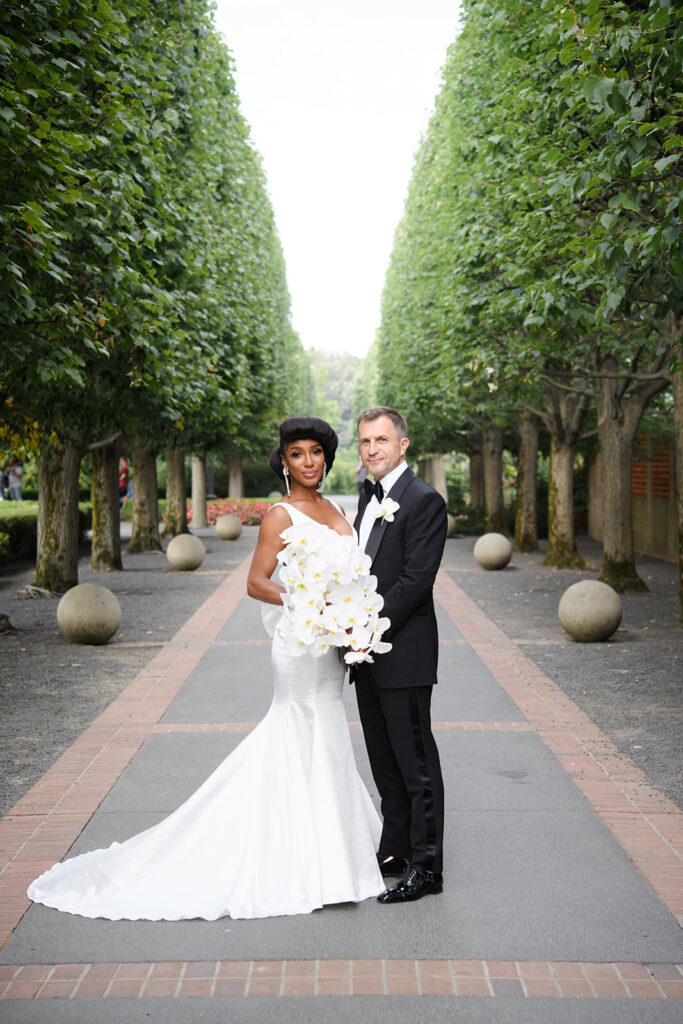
(285, 824)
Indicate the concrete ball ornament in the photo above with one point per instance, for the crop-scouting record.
(493, 551)
(185, 552)
(88, 614)
(589, 611)
(228, 527)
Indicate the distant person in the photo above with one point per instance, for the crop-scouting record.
(15, 472)
(124, 478)
(2, 485)
(361, 476)
(129, 493)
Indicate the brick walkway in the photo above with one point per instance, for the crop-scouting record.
(44, 824)
(473, 978)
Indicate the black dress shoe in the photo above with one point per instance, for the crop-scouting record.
(415, 884)
(392, 866)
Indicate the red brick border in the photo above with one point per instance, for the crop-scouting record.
(459, 978)
(646, 824)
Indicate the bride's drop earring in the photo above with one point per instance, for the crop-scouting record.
(286, 475)
(322, 478)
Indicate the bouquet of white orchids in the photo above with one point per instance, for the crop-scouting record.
(330, 597)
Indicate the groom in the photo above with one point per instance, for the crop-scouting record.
(401, 524)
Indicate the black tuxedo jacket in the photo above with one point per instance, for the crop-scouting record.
(406, 555)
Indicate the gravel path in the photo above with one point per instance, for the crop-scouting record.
(631, 686)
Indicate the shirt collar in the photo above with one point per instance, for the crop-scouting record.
(390, 479)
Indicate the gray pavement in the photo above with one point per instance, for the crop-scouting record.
(532, 873)
(331, 1010)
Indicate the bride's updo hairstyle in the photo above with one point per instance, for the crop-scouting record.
(304, 428)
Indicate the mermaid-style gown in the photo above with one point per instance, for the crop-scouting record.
(284, 825)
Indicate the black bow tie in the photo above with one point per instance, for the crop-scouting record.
(375, 489)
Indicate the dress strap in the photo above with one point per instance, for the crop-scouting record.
(290, 510)
(296, 513)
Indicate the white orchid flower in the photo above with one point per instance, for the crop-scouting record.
(387, 509)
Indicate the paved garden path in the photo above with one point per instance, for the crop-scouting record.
(562, 877)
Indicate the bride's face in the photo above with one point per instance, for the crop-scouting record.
(305, 461)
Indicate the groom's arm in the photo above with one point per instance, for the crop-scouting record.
(424, 539)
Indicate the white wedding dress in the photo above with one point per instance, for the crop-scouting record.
(284, 825)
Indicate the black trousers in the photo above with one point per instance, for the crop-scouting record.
(405, 765)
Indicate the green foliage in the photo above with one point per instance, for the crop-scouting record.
(541, 232)
(144, 289)
(18, 530)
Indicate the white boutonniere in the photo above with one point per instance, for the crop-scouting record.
(386, 510)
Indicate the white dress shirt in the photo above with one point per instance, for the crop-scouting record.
(370, 513)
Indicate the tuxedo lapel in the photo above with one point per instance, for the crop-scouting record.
(378, 527)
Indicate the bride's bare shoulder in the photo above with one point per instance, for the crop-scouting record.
(277, 513)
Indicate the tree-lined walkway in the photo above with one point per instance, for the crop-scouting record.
(563, 863)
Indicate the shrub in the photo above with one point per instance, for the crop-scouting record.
(249, 511)
(19, 528)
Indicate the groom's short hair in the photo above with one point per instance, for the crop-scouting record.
(376, 411)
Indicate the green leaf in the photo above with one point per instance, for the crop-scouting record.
(666, 161)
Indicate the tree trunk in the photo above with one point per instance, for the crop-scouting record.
(145, 536)
(561, 544)
(199, 490)
(106, 518)
(526, 517)
(424, 470)
(493, 481)
(677, 352)
(476, 474)
(566, 412)
(210, 492)
(438, 474)
(176, 494)
(620, 408)
(236, 480)
(57, 560)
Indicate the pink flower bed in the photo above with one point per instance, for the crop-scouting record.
(249, 511)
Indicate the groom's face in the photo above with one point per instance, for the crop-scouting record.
(381, 449)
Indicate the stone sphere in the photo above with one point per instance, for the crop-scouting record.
(493, 551)
(589, 611)
(185, 552)
(450, 529)
(228, 527)
(275, 495)
(88, 614)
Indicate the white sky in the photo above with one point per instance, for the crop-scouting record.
(337, 96)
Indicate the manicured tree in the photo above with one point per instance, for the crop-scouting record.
(132, 284)
(540, 229)
(86, 143)
(614, 73)
(53, 65)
